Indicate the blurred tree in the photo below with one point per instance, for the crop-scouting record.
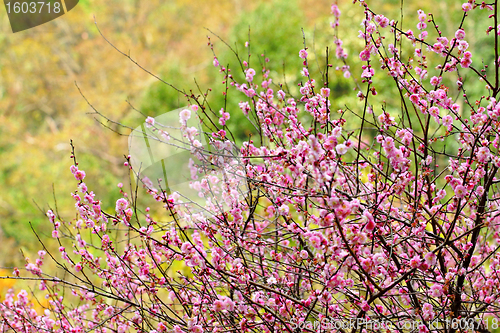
(41, 108)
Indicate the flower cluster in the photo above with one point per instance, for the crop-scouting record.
(346, 215)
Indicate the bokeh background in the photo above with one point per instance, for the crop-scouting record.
(41, 108)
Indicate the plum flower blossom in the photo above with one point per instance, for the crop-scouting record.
(460, 34)
(430, 259)
(436, 290)
(460, 191)
(341, 149)
(197, 329)
(466, 61)
(415, 262)
(34, 269)
(368, 72)
(250, 73)
(365, 306)
(421, 25)
(283, 209)
(483, 154)
(335, 11)
(438, 48)
(364, 55)
(448, 122)
(427, 310)
(381, 20)
(386, 119)
(271, 280)
(303, 254)
(463, 45)
(369, 220)
(434, 111)
(79, 174)
(435, 81)
(219, 306)
(150, 122)
(121, 205)
(337, 132)
(466, 7)
(184, 116)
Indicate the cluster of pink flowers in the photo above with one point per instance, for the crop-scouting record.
(334, 221)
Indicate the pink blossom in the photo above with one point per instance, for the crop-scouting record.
(121, 205)
(219, 306)
(422, 328)
(325, 92)
(448, 121)
(197, 329)
(250, 73)
(32, 268)
(335, 10)
(184, 115)
(283, 209)
(303, 254)
(421, 25)
(436, 290)
(369, 220)
(438, 48)
(341, 149)
(463, 45)
(365, 306)
(427, 310)
(483, 154)
(465, 62)
(415, 261)
(460, 191)
(150, 122)
(414, 99)
(381, 20)
(368, 72)
(460, 34)
(364, 55)
(434, 111)
(466, 7)
(430, 259)
(435, 81)
(80, 174)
